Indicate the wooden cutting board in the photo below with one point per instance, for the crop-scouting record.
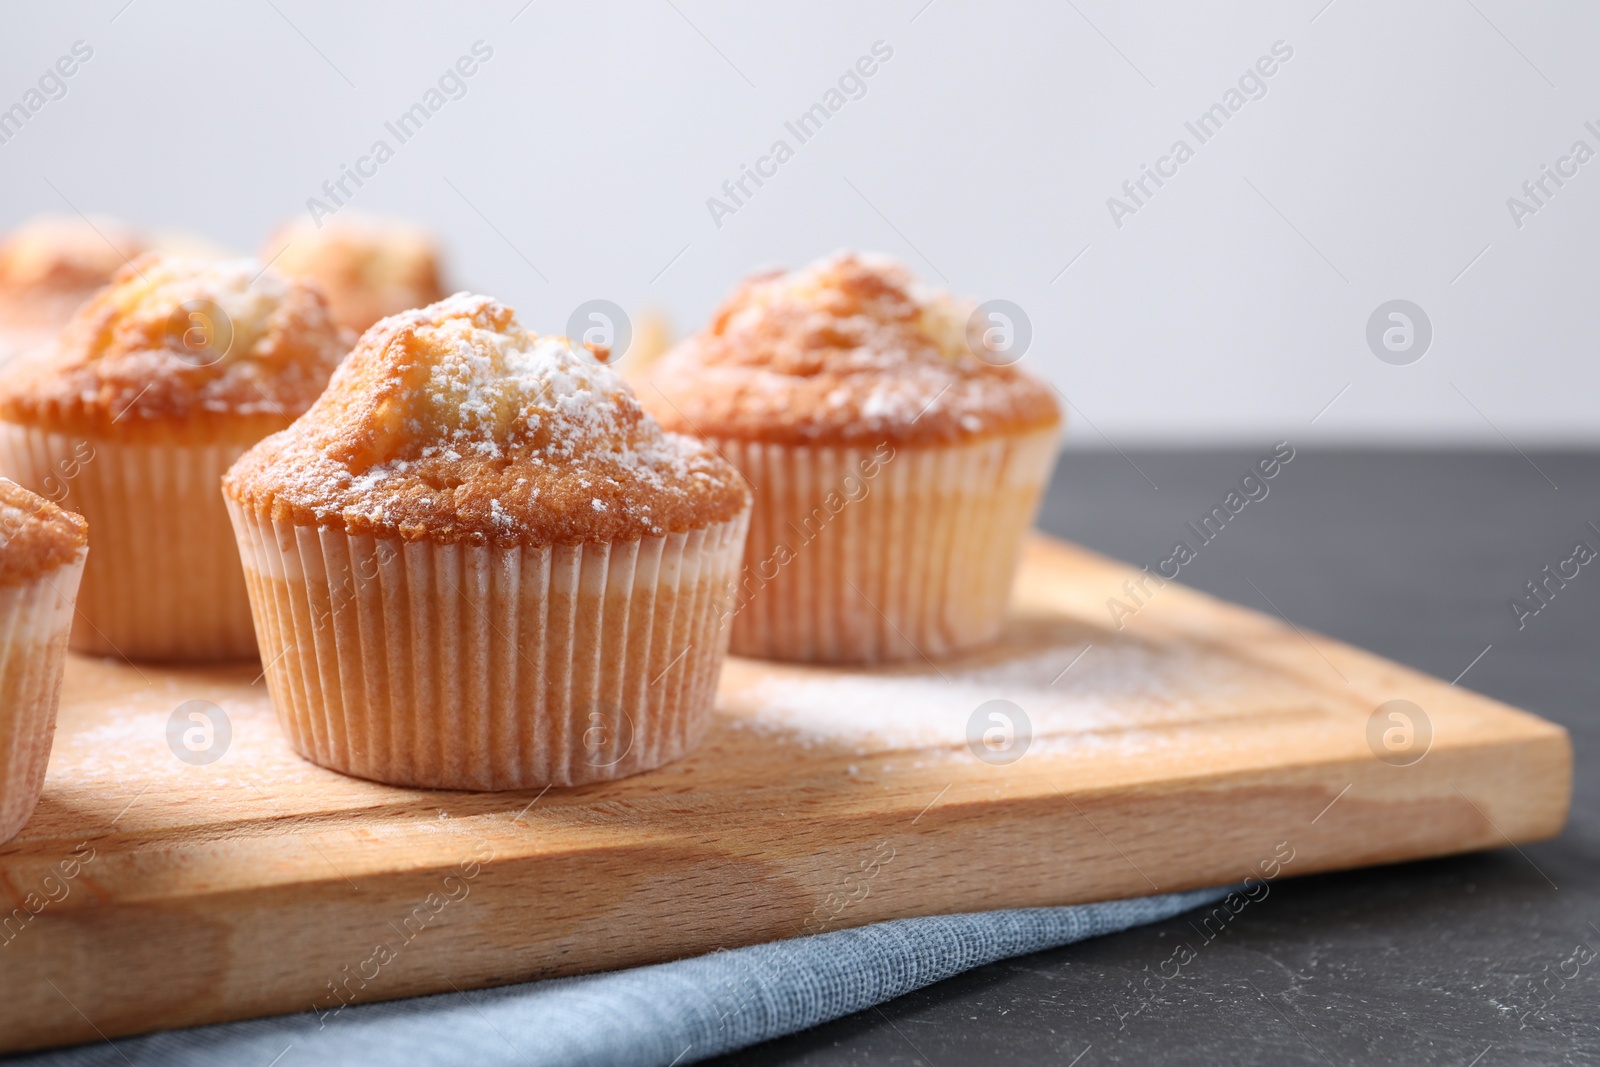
(1198, 744)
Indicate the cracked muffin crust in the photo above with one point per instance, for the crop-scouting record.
(453, 423)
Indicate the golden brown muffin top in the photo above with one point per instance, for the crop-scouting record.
(51, 252)
(200, 350)
(453, 423)
(49, 265)
(367, 268)
(36, 536)
(25, 333)
(850, 349)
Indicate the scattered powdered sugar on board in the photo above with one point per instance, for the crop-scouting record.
(129, 745)
(1128, 694)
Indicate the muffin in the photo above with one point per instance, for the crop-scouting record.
(48, 267)
(895, 472)
(156, 386)
(476, 563)
(652, 337)
(368, 268)
(42, 549)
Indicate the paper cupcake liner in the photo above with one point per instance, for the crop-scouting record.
(164, 581)
(34, 619)
(863, 555)
(474, 667)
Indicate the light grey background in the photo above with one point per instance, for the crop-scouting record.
(1231, 308)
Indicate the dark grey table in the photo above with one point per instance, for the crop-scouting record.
(1483, 959)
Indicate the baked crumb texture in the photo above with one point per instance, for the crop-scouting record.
(452, 423)
(368, 268)
(848, 350)
(36, 536)
(182, 349)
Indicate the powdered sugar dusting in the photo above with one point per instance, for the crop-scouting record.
(850, 347)
(129, 743)
(454, 420)
(486, 388)
(173, 336)
(909, 336)
(1129, 694)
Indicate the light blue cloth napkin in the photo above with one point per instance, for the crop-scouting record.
(666, 1014)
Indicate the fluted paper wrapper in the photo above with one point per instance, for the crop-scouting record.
(475, 667)
(163, 582)
(34, 619)
(863, 555)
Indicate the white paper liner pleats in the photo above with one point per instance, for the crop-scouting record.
(34, 619)
(163, 582)
(868, 555)
(474, 667)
